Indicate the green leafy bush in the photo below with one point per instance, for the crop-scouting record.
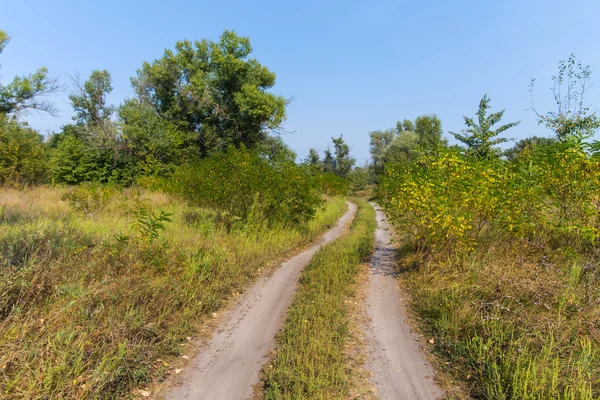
(244, 185)
(23, 157)
(89, 197)
(332, 185)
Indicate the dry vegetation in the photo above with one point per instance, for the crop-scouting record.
(93, 290)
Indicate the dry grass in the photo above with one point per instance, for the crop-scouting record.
(511, 321)
(88, 304)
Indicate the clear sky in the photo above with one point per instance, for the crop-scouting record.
(352, 66)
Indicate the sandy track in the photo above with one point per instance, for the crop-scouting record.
(230, 364)
(400, 370)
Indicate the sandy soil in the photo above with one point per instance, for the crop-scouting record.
(229, 365)
(398, 366)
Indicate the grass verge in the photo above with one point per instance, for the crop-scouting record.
(90, 300)
(310, 357)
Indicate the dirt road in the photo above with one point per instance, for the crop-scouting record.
(229, 365)
(400, 370)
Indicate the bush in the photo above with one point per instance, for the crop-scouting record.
(23, 157)
(332, 185)
(452, 202)
(88, 197)
(74, 161)
(245, 185)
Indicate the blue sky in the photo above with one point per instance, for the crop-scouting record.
(352, 66)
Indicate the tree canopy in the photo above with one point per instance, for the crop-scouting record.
(215, 90)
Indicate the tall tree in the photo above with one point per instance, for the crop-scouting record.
(215, 90)
(313, 157)
(379, 141)
(26, 93)
(93, 113)
(89, 100)
(343, 161)
(404, 126)
(405, 148)
(479, 137)
(329, 164)
(429, 131)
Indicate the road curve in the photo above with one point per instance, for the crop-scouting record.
(399, 369)
(230, 364)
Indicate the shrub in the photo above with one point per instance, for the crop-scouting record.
(22, 154)
(243, 185)
(88, 197)
(452, 202)
(332, 185)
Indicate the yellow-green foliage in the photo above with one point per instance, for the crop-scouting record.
(506, 276)
(451, 202)
(310, 358)
(91, 296)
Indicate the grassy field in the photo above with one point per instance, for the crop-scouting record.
(310, 359)
(511, 321)
(96, 285)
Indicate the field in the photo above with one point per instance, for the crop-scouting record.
(96, 285)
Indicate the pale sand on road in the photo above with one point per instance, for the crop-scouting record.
(230, 364)
(399, 369)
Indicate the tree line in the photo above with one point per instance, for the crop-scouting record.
(197, 99)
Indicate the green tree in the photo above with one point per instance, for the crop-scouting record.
(328, 164)
(479, 137)
(93, 149)
(23, 157)
(27, 92)
(71, 161)
(93, 113)
(429, 131)
(156, 144)
(359, 178)
(343, 162)
(89, 101)
(406, 125)
(404, 149)
(313, 157)
(214, 90)
(379, 142)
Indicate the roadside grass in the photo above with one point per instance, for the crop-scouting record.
(511, 320)
(88, 303)
(310, 357)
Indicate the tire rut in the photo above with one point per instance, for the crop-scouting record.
(229, 365)
(399, 368)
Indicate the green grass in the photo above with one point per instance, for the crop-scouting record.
(85, 313)
(310, 360)
(511, 321)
